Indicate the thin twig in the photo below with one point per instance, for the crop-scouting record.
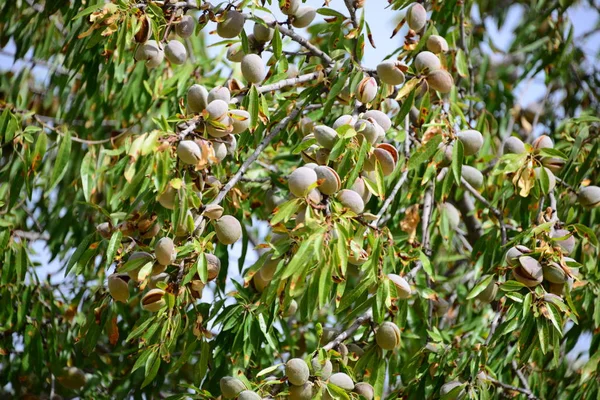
(238, 175)
(352, 12)
(465, 48)
(366, 317)
(403, 177)
(505, 386)
(522, 379)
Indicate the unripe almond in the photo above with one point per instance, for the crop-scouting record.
(589, 196)
(325, 136)
(213, 266)
(72, 378)
(297, 371)
(220, 150)
(447, 388)
(253, 68)
(529, 271)
(165, 252)
(387, 155)
(365, 390)
(473, 176)
(185, 27)
(390, 107)
(175, 52)
(197, 98)
(472, 141)
(228, 229)
(344, 120)
(331, 180)
(514, 145)
(437, 44)
(513, 254)
(367, 90)
(389, 72)
(314, 196)
(189, 152)
(306, 125)
(230, 141)
(213, 211)
(292, 71)
(292, 308)
(357, 255)
(303, 16)
(360, 187)
(551, 177)
(554, 164)
(231, 387)
(489, 293)
(567, 245)
(217, 110)
(273, 200)
(342, 380)
(440, 80)
(322, 369)
(136, 255)
(219, 93)
(426, 62)
(416, 17)
(351, 200)
(155, 279)
(232, 25)
(118, 288)
(261, 32)
(248, 395)
(104, 229)
(554, 273)
(379, 117)
(304, 392)
(543, 142)
(219, 128)
(452, 214)
(240, 120)
(151, 53)
(300, 181)
(289, 7)
(367, 128)
(259, 283)
(403, 289)
(153, 300)
(235, 53)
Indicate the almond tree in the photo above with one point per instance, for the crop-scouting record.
(428, 235)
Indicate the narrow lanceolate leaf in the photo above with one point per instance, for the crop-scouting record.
(457, 160)
(87, 171)
(113, 245)
(83, 246)
(480, 287)
(253, 107)
(461, 64)
(277, 44)
(425, 152)
(61, 161)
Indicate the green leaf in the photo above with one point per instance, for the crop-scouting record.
(424, 153)
(461, 64)
(152, 371)
(480, 287)
(83, 246)
(202, 268)
(61, 162)
(457, 160)
(113, 245)
(285, 211)
(253, 107)
(87, 171)
(277, 44)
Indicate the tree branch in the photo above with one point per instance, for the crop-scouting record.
(366, 317)
(238, 175)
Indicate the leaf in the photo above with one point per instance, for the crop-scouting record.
(268, 370)
(277, 44)
(253, 107)
(113, 245)
(461, 64)
(151, 373)
(425, 152)
(83, 246)
(285, 211)
(61, 162)
(457, 160)
(201, 268)
(426, 264)
(86, 172)
(480, 287)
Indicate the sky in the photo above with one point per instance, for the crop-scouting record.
(382, 23)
